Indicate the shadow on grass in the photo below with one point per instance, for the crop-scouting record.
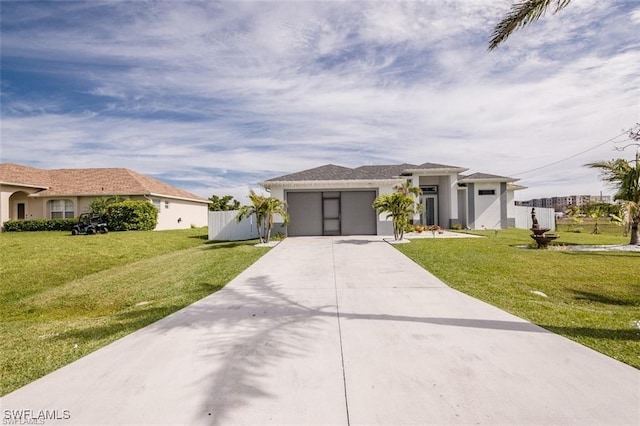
(600, 298)
(629, 334)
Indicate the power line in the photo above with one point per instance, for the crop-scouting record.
(571, 156)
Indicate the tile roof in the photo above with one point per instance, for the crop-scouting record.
(78, 182)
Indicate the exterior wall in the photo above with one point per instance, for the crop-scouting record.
(487, 207)
(190, 213)
(462, 208)
(385, 226)
(180, 214)
(11, 195)
(511, 209)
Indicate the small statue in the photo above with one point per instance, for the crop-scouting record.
(534, 219)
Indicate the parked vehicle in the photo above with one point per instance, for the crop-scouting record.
(89, 224)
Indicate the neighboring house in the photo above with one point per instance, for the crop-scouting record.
(335, 200)
(32, 193)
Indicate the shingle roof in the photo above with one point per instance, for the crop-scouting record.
(374, 172)
(486, 176)
(78, 182)
(427, 166)
(383, 172)
(25, 175)
(326, 172)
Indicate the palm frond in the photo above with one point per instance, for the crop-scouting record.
(522, 14)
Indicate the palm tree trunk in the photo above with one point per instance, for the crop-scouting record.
(634, 233)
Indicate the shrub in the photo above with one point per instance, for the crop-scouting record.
(39, 225)
(131, 215)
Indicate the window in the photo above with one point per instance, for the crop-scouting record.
(166, 204)
(431, 189)
(156, 203)
(60, 209)
(487, 192)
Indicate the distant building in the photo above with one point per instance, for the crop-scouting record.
(560, 204)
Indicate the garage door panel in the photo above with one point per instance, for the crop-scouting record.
(358, 217)
(305, 213)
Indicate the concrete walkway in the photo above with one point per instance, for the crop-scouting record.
(338, 331)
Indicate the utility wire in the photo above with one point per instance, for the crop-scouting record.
(570, 157)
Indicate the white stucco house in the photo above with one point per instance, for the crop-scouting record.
(33, 193)
(336, 200)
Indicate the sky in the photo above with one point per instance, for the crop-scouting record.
(214, 97)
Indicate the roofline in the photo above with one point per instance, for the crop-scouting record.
(316, 183)
(441, 169)
(143, 194)
(26, 185)
(496, 179)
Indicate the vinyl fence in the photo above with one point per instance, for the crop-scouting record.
(223, 227)
(546, 217)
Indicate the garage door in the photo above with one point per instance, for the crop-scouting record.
(331, 213)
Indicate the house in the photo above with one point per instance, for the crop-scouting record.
(336, 200)
(33, 193)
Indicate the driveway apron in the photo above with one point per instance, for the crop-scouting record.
(336, 331)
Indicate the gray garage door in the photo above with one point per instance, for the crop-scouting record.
(331, 213)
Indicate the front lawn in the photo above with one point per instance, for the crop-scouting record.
(593, 297)
(63, 297)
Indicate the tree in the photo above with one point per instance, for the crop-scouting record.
(625, 178)
(399, 206)
(521, 14)
(263, 208)
(223, 204)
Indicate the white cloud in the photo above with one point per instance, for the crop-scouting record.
(260, 89)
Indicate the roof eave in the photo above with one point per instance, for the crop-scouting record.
(26, 185)
(330, 183)
(437, 171)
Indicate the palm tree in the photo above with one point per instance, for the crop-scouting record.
(626, 179)
(399, 206)
(520, 15)
(263, 208)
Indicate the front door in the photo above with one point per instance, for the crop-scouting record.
(21, 212)
(430, 210)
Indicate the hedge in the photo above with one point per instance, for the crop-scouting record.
(131, 215)
(39, 225)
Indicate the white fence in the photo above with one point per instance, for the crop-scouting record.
(546, 217)
(223, 227)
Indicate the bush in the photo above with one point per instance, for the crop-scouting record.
(39, 225)
(131, 215)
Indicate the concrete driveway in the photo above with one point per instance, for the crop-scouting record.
(337, 331)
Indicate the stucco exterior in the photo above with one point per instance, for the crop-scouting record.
(30, 193)
(477, 201)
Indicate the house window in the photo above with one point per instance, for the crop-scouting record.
(487, 192)
(60, 209)
(156, 202)
(431, 189)
(166, 204)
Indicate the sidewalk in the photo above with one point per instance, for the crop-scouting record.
(337, 331)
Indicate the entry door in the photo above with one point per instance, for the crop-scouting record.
(430, 210)
(21, 212)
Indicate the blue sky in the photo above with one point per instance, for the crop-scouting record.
(214, 97)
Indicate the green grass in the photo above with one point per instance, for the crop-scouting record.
(63, 297)
(593, 297)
